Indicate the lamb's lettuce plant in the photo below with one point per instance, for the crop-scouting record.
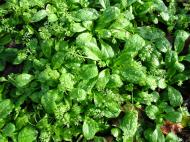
(88, 70)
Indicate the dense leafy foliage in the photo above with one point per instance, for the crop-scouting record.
(81, 70)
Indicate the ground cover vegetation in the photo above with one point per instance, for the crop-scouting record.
(94, 70)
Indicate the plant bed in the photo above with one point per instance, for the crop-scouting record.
(94, 70)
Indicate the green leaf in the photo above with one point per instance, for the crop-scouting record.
(3, 139)
(115, 81)
(27, 134)
(134, 44)
(88, 25)
(86, 14)
(66, 81)
(126, 3)
(5, 39)
(106, 49)
(145, 98)
(9, 129)
(21, 56)
(89, 128)
(171, 137)
(187, 58)
(109, 15)
(22, 80)
(150, 33)
(134, 72)
(129, 124)
(122, 23)
(89, 45)
(99, 139)
(181, 77)
(36, 97)
(89, 71)
(152, 111)
(112, 109)
(103, 79)
(87, 85)
(104, 33)
(165, 16)
(159, 5)
(181, 37)
(48, 101)
(77, 27)
(157, 135)
(163, 45)
(162, 83)
(46, 46)
(104, 3)
(171, 58)
(78, 94)
(173, 116)
(48, 75)
(151, 82)
(179, 67)
(6, 108)
(115, 132)
(120, 34)
(9, 54)
(174, 97)
(52, 17)
(39, 16)
(108, 103)
(57, 60)
(21, 121)
(164, 107)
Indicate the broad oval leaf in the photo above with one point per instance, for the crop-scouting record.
(103, 79)
(112, 109)
(22, 80)
(109, 15)
(115, 81)
(48, 101)
(52, 17)
(78, 94)
(174, 116)
(39, 16)
(5, 40)
(107, 50)
(174, 97)
(134, 44)
(27, 134)
(134, 72)
(89, 45)
(89, 128)
(157, 135)
(163, 45)
(152, 111)
(86, 14)
(6, 107)
(46, 46)
(77, 27)
(171, 137)
(179, 43)
(89, 71)
(150, 33)
(129, 123)
(9, 129)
